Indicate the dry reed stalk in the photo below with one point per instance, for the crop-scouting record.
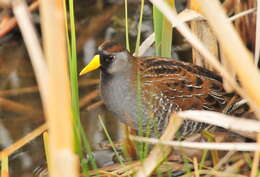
(222, 120)
(117, 169)
(255, 165)
(34, 89)
(88, 98)
(246, 26)
(224, 160)
(233, 48)
(131, 167)
(12, 22)
(242, 14)
(125, 167)
(234, 168)
(238, 56)
(196, 167)
(62, 156)
(9, 105)
(218, 173)
(94, 105)
(18, 91)
(200, 145)
(184, 30)
(158, 154)
(226, 64)
(146, 44)
(186, 16)
(33, 45)
(63, 161)
(201, 29)
(203, 32)
(257, 41)
(23, 141)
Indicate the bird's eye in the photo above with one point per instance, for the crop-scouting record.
(111, 57)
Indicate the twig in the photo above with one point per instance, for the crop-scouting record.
(33, 45)
(12, 22)
(9, 105)
(18, 91)
(196, 168)
(224, 160)
(159, 153)
(186, 16)
(200, 145)
(242, 14)
(255, 165)
(88, 98)
(184, 30)
(257, 39)
(34, 89)
(234, 168)
(222, 120)
(218, 173)
(23, 141)
(146, 44)
(94, 105)
(234, 48)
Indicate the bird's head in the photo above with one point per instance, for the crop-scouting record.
(111, 58)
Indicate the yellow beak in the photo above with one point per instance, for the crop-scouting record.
(93, 65)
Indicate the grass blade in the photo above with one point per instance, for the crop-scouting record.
(163, 32)
(157, 22)
(4, 167)
(80, 139)
(139, 29)
(166, 46)
(126, 28)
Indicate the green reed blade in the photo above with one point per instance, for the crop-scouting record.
(163, 32)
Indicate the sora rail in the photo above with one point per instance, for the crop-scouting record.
(148, 90)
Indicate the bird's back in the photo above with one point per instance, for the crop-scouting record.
(169, 85)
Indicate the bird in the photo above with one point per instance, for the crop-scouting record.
(144, 91)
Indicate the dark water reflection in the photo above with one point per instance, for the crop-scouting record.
(97, 20)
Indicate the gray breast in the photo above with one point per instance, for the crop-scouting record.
(120, 98)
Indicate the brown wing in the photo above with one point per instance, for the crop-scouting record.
(183, 85)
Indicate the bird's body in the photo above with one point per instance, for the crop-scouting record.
(147, 90)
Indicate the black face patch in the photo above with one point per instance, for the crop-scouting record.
(106, 61)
